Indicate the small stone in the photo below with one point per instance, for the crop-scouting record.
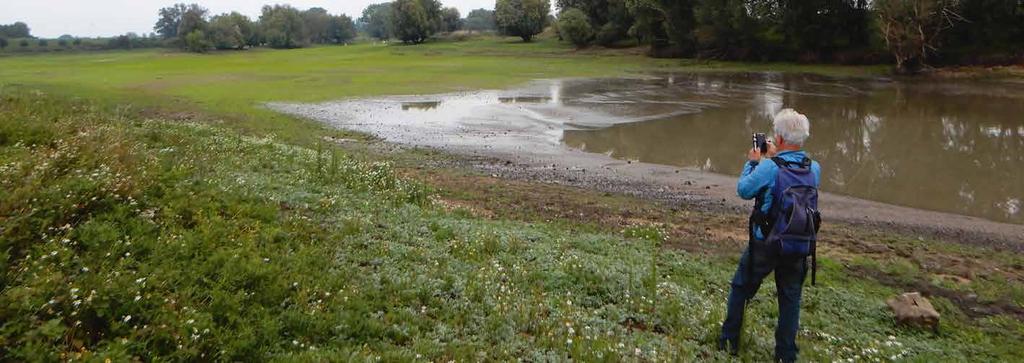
(913, 309)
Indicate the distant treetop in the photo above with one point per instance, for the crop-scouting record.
(16, 30)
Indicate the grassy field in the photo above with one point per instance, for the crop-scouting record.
(151, 208)
(234, 85)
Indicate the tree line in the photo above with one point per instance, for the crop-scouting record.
(911, 32)
(190, 27)
(19, 35)
(415, 21)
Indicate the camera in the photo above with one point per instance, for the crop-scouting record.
(761, 142)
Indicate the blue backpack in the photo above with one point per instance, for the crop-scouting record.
(791, 225)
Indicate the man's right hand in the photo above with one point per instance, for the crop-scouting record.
(754, 154)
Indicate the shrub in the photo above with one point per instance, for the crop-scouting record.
(196, 42)
(43, 43)
(283, 27)
(413, 21)
(574, 26)
(522, 18)
(609, 34)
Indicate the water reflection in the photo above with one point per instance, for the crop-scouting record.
(956, 148)
(420, 106)
(525, 99)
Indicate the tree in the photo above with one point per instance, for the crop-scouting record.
(452, 19)
(725, 29)
(613, 17)
(480, 20)
(989, 27)
(821, 27)
(43, 43)
(3, 42)
(77, 42)
(170, 17)
(574, 26)
(196, 42)
(231, 31)
(317, 22)
(23, 43)
(341, 30)
(179, 20)
(65, 40)
(413, 21)
(16, 30)
(911, 29)
(193, 19)
(609, 33)
(126, 41)
(283, 27)
(667, 24)
(376, 21)
(522, 18)
(435, 14)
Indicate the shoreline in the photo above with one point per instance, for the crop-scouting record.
(716, 193)
(521, 141)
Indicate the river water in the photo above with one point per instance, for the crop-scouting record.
(946, 146)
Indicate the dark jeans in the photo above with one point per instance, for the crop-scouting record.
(789, 279)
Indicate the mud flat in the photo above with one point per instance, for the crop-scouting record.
(530, 133)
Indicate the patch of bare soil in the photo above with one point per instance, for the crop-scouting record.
(967, 302)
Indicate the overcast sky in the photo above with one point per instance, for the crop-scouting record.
(90, 18)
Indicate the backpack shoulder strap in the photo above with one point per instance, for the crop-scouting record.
(783, 163)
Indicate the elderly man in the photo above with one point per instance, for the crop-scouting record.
(778, 252)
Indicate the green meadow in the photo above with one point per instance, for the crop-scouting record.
(152, 209)
(234, 85)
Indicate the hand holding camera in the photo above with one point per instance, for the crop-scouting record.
(763, 146)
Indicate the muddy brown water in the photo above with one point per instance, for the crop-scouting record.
(945, 146)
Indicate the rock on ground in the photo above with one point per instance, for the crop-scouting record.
(913, 309)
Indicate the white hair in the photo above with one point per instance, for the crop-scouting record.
(792, 126)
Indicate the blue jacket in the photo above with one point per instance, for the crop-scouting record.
(761, 179)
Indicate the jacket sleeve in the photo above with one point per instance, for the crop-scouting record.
(816, 169)
(753, 179)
